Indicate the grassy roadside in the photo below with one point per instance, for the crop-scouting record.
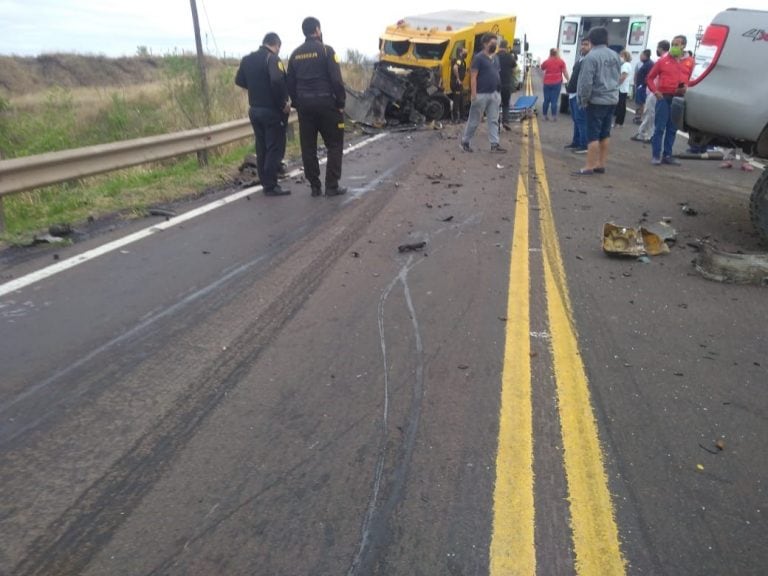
(127, 193)
(70, 116)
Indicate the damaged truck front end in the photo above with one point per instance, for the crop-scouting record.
(399, 95)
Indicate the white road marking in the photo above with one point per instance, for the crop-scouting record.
(63, 265)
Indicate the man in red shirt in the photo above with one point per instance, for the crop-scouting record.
(668, 78)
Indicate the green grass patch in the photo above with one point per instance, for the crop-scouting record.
(127, 193)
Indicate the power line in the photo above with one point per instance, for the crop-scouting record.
(210, 28)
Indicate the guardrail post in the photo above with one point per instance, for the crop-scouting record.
(2, 216)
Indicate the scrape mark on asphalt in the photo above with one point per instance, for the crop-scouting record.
(375, 530)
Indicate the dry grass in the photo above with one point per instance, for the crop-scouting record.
(46, 116)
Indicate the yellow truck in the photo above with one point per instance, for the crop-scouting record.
(412, 79)
(434, 39)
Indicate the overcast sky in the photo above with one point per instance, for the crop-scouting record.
(236, 27)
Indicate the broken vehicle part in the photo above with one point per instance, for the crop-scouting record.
(731, 268)
(622, 241)
(398, 95)
(627, 241)
(411, 247)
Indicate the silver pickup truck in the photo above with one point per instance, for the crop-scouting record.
(727, 101)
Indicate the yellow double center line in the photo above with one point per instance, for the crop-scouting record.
(593, 526)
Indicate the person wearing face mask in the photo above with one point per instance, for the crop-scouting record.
(647, 125)
(668, 78)
(554, 71)
(263, 75)
(458, 72)
(485, 83)
(318, 94)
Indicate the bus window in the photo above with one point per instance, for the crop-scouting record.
(429, 51)
(478, 42)
(569, 33)
(637, 34)
(396, 47)
(456, 47)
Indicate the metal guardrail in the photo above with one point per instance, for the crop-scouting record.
(30, 172)
(27, 173)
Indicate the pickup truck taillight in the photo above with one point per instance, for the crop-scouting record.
(709, 51)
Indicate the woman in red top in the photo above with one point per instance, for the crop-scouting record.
(554, 72)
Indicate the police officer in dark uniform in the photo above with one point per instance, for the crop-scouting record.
(263, 75)
(317, 92)
(458, 72)
(507, 64)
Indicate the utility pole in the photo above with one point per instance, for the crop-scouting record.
(202, 155)
(699, 36)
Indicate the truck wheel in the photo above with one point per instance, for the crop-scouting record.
(758, 206)
(434, 110)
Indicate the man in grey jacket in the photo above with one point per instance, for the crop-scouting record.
(598, 93)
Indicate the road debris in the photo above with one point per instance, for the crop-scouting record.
(633, 242)
(413, 247)
(463, 367)
(355, 254)
(687, 210)
(730, 268)
(46, 239)
(622, 240)
(707, 449)
(447, 219)
(60, 229)
(711, 155)
(720, 445)
(161, 212)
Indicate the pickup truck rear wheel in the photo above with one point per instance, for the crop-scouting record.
(758, 206)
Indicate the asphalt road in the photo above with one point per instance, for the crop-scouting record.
(273, 388)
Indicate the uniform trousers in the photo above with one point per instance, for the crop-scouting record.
(321, 117)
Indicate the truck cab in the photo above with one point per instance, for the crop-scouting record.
(433, 40)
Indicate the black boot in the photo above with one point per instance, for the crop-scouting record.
(335, 190)
(276, 191)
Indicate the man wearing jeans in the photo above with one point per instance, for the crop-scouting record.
(486, 98)
(579, 141)
(598, 92)
(668, 78)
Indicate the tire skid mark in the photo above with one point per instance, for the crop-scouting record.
(374, 535)
(375, 531)
(81, 531)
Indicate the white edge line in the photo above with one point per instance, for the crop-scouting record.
(54, 269)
